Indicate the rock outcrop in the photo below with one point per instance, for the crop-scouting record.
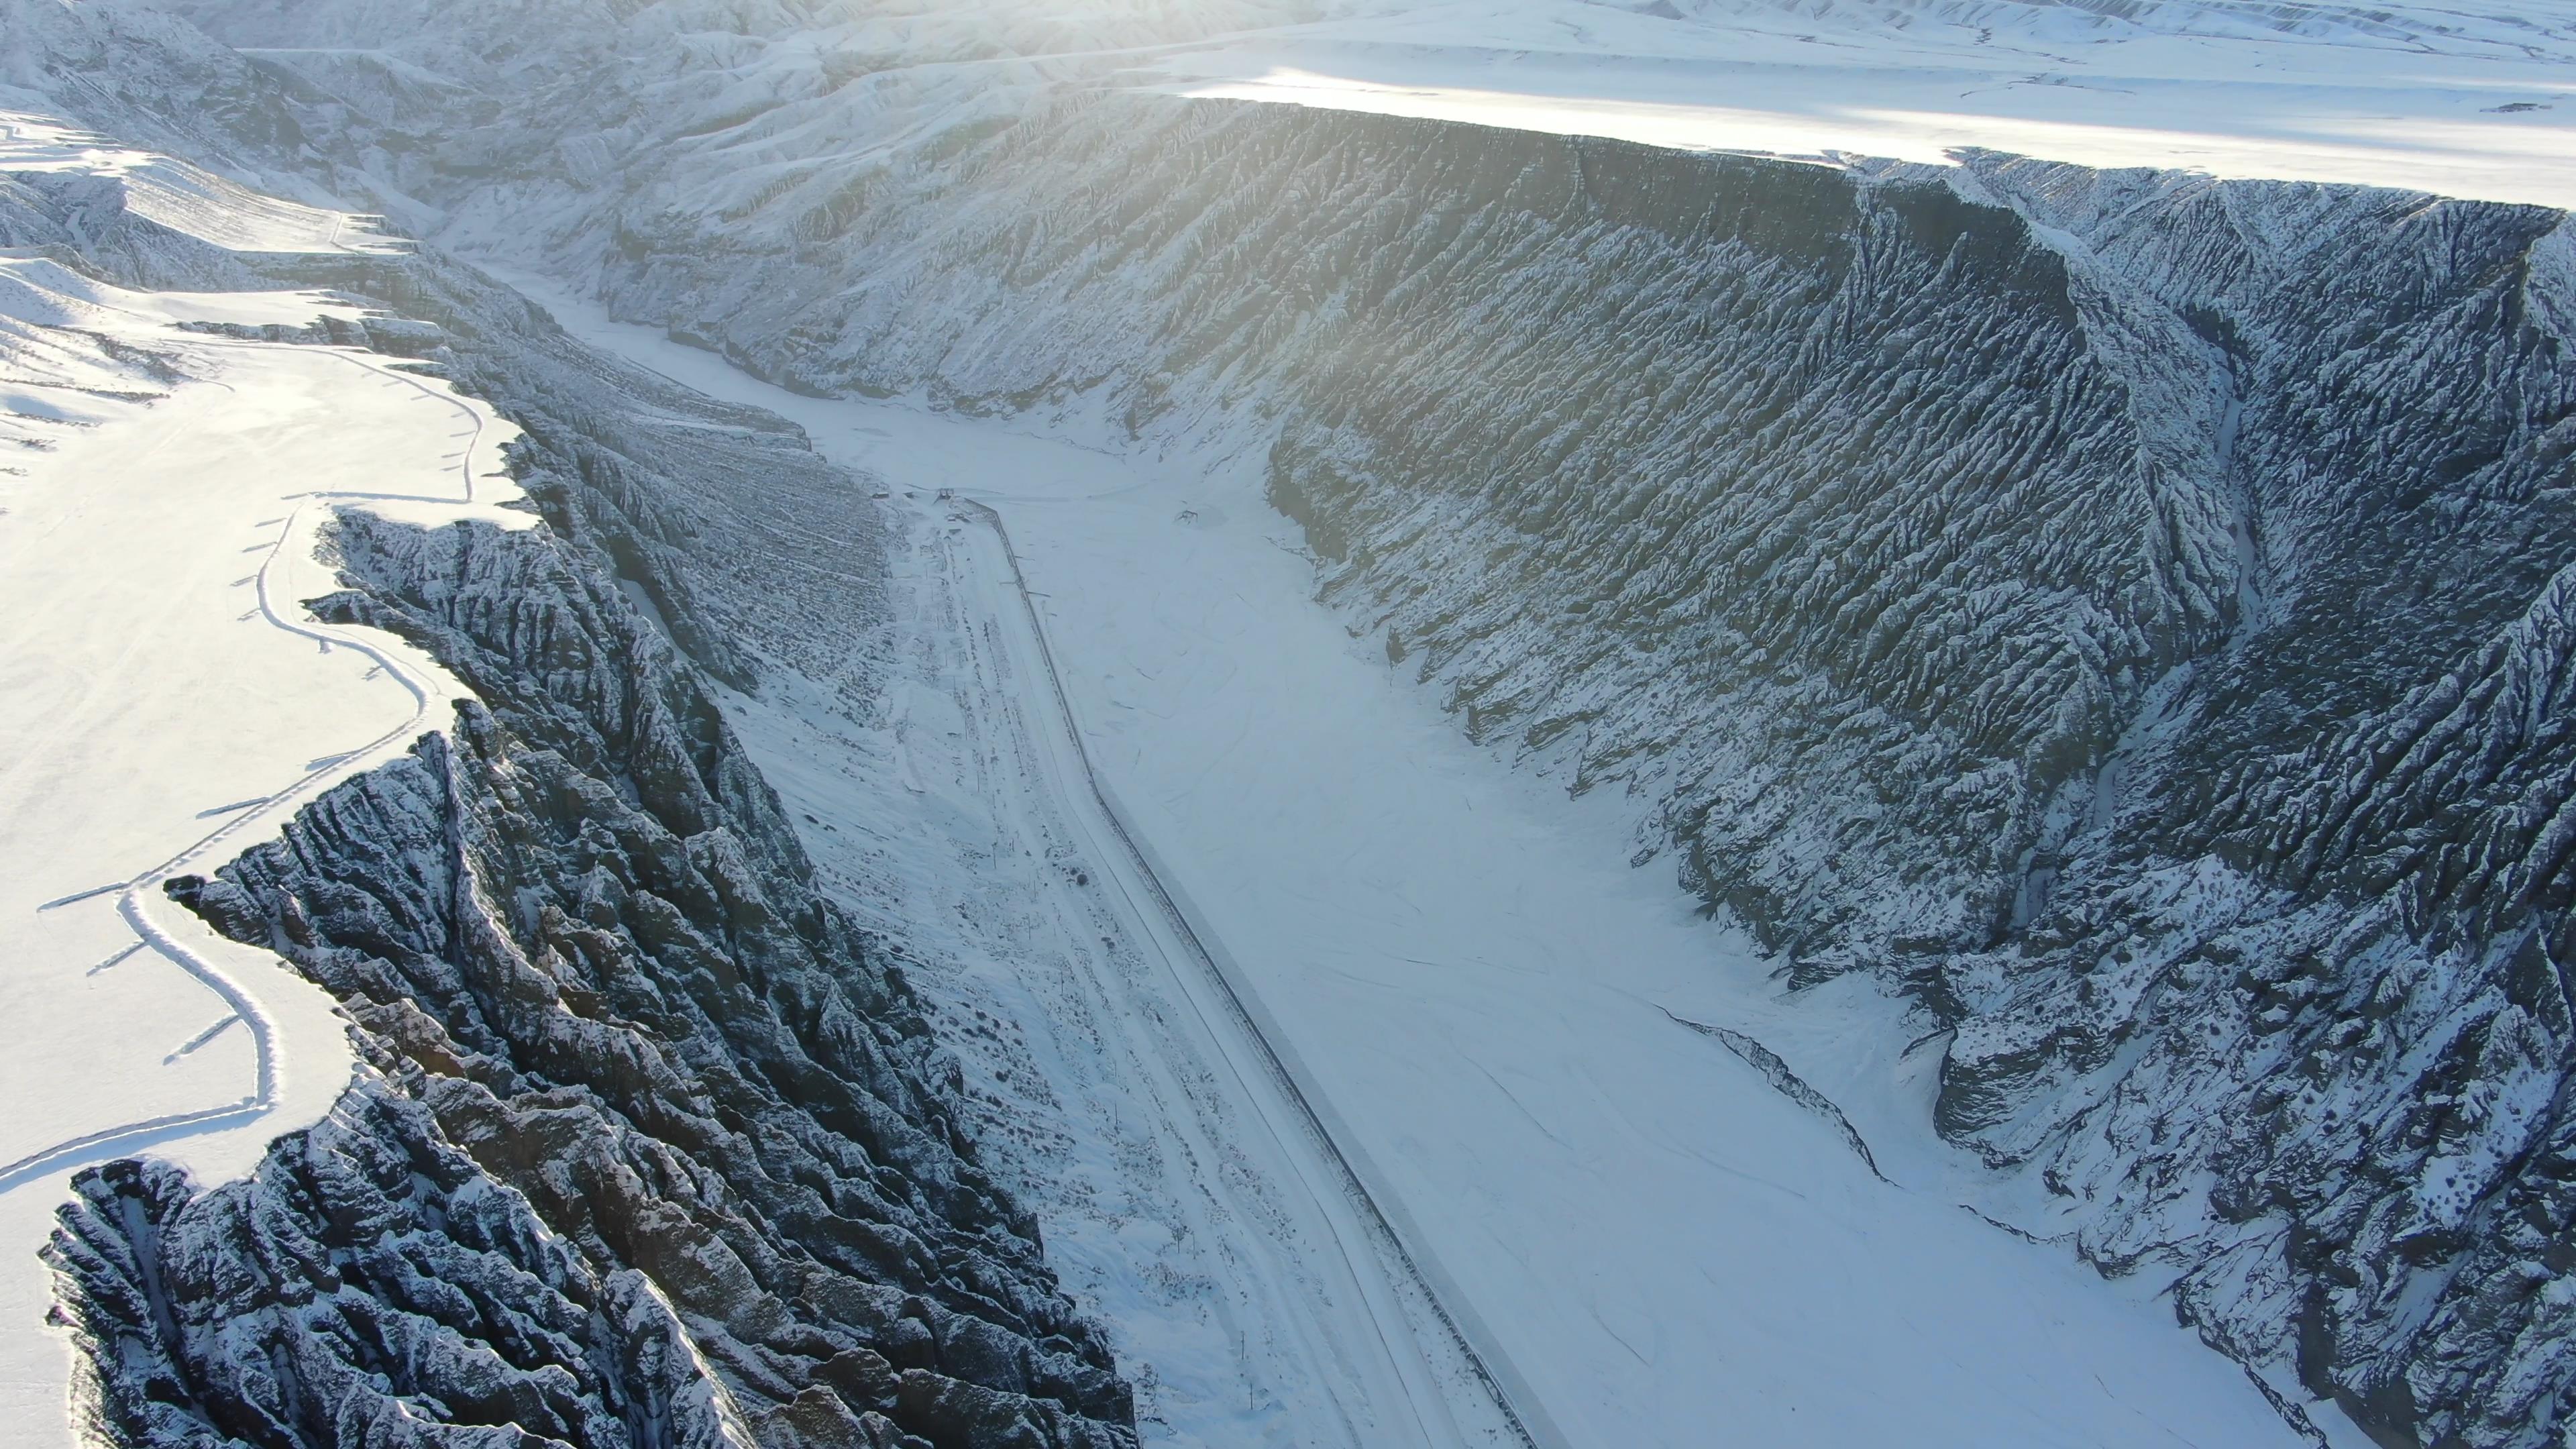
(651, 1149)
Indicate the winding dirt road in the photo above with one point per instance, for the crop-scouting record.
(159, 726)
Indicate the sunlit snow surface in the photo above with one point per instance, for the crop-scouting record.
(187, 199)
(2476, 100)
(167, 701)
(1671, 1251)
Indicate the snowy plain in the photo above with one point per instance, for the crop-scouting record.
(169, 702)
(2472, 100)
(1492, 1005)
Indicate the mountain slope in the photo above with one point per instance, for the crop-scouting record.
(650, 1149)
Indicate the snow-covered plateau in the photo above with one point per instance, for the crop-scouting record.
(2464, 100)
(167, 702)
(1834, 723)
(644, 1145)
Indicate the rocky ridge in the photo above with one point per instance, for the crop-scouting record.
(651, 1148)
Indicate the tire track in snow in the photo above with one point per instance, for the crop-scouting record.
(1507, 1388)
(121, 1141)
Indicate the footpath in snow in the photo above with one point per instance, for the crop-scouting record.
(1484, 993)
(168, 703)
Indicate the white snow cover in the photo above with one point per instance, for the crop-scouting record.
(2476, 99)
(1665, 1246)
(185, 198)
(168, 702)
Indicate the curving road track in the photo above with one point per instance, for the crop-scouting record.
(1378, 1267)
(298, 538)
(141, 685)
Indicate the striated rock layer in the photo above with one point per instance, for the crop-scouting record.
(652, 1149)
(2124, 611)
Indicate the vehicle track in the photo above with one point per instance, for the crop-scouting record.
(113, 1142)
(1131, 864)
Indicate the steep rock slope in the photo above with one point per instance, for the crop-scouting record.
(653, 1151)
(2026, 585)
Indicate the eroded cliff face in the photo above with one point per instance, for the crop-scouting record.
(650, 1149)
(2118, 609)
(579, 944)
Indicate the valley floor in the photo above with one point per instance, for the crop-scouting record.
(1484, 994)
(1187, 1201)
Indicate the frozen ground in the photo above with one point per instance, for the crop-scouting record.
(168, 702)
(2474, 100)
(182, 197)
(1658, 1240)
(1186, 1202)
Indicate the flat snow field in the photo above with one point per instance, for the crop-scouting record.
(1668, 1249)
(167, 703)
(2474, 100)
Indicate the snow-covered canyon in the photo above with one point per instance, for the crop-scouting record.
(2057, 668)
(1483, 992)
(1973, 578)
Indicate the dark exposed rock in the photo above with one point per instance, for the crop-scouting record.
(394, 1294)
(651, 1151)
